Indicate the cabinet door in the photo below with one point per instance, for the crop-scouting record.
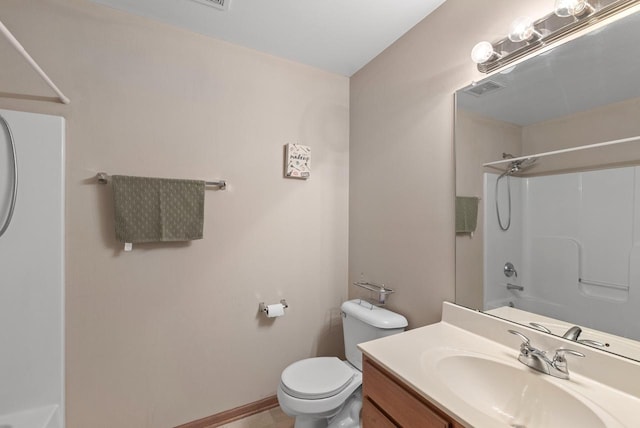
(372, 417)
(403, 406)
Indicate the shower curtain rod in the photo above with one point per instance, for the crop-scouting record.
(16, 44)
(504, 162)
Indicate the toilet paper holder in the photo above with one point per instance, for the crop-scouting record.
(263, 308)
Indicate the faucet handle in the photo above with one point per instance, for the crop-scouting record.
(540, 327)
(525, 346)
(509, 270)
(559, 361)
(592, 342)
(525, 339)
(560, 354)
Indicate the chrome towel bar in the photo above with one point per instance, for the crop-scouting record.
(103, 178)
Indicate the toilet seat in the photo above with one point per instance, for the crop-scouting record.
(316, 378)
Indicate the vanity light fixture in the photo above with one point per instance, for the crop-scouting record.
(527, 35)
(483, 52)
(522, 30)
(566, 8)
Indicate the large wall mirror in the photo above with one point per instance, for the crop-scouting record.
(557, 240)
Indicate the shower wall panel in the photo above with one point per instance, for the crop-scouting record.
(579, 246)
(31, 265)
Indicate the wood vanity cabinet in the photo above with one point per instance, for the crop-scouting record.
(388, 403)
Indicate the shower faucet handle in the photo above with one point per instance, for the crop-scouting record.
(509, 270)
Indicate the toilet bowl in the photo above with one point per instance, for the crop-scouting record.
(325, 392)
(316, 389)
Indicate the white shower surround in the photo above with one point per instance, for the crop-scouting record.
(568, 226)
(501, 247)
(32, 275)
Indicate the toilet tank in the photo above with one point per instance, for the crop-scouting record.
(362, 322)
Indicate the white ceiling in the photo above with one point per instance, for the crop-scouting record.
(339, 36)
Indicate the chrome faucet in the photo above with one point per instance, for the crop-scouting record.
(573, 333)
(538, 359)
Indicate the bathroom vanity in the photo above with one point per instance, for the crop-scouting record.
(465, 372)
(388, 402)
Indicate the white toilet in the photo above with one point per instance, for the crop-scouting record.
(325, 392)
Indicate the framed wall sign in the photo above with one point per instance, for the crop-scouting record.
(297, 161)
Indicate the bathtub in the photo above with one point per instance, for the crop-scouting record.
(40, 417)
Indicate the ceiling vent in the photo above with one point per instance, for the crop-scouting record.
(484, 88)
(218, 4)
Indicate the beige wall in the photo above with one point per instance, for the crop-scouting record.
(610, 122)
(170, 333)
(401, 215)
(478, 140)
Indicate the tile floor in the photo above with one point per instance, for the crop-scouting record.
(274, 418)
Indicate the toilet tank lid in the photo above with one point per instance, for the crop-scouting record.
(373, 315)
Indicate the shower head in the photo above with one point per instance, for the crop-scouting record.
(517, 166)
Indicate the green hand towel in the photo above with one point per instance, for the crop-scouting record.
(466, 214)
(157, 209)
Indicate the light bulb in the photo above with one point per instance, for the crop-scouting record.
(522, 29)
(565, 8)
(482, 52)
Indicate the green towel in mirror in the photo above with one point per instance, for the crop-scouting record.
(466, 214)
(157, 209)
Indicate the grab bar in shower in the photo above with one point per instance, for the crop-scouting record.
(14, 191)
(612, 285)
(581, 278)
(586, 281)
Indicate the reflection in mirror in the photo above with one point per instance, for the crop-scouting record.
(568, 224)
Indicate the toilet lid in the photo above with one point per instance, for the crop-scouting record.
(316, 378)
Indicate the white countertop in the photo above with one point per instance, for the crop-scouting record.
(413, 357)
(616, 344)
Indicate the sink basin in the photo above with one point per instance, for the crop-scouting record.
(515, 395)
(467, 366)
